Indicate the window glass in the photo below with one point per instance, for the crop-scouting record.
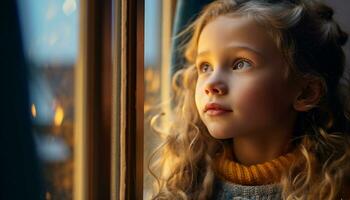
(153, 28)
(50, 37)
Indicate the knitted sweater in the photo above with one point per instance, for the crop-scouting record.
(255, 182)
(225, 190)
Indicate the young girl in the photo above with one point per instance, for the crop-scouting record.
(262, 107)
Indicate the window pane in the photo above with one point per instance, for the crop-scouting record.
(158, 26)
(50, 30)
(152, 81)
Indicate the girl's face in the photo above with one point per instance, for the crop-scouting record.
(242, 87)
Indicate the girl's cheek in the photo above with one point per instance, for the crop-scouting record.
(199, 94)
(258, 98)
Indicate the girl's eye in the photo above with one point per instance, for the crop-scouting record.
(241, 64)
(204, 67)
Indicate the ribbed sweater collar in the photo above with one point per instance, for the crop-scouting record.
(260, 174)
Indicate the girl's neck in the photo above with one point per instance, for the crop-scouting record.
(252, 150)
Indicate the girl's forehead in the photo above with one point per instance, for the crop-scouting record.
(227, 31)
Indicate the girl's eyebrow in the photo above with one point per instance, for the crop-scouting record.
(234, 47)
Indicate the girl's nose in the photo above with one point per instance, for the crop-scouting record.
(216, 88)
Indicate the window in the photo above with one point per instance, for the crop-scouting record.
(68, 46)
(50, 31)
(158, 27)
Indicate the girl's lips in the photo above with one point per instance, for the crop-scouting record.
(215, 109)
(213, 112)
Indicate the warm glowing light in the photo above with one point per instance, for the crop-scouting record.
(59, 115)
(33, 110)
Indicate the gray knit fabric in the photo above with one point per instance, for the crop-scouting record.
(229, 191)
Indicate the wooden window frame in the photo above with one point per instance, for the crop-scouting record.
(94, 96)
(99, 98)
(131, 98)
(109, 100)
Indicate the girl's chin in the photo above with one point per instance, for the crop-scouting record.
(221, 136)
(224, 134)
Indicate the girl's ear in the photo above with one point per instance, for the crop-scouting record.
(309, 95)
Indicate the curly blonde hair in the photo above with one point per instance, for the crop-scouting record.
(311, 43)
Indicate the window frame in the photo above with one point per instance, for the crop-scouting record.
(109, 100)
(129, 87)
(93, 102)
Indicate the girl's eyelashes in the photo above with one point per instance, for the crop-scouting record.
(204, 67)
(241, 64)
